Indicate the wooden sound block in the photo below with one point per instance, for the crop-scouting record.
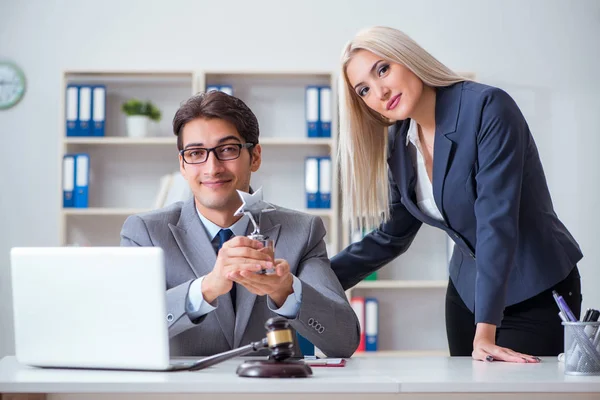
(274, 369)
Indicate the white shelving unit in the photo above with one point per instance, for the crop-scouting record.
(423, 353)
(125, 172)
(170, 141)
(400, 284)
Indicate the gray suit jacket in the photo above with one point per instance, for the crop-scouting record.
(325, 317)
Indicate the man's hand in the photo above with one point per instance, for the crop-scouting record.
(238, 254)
(277, 286)
(485, 348)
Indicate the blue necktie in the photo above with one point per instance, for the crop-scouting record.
(225, 235)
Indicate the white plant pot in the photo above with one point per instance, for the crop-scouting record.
(137, 126)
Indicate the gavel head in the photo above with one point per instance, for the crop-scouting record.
(279, 338)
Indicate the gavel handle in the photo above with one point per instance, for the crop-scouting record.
(217, 358)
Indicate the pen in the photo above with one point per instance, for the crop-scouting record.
(562, 304)
(594, 315)
(586, 317)
(563, 317)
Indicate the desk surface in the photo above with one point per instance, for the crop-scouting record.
(361, 375)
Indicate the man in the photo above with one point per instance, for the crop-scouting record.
(216, 300)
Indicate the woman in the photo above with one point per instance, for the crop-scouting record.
(420, 144)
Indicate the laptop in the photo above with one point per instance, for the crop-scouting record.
(91, 307)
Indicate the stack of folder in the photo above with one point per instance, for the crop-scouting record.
(317, 179)
(318, 111)
(85, 109)
(367, 312)
(76, 176)
(228, 89)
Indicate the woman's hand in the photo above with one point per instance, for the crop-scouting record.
(485, 348)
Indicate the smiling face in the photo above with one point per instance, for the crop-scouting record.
(214, 182)
(387, 88)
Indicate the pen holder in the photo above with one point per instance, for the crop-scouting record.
(582, 348)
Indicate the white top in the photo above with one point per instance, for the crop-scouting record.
(360, 375)
(424, 188)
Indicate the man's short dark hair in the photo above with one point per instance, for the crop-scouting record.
(217, 105)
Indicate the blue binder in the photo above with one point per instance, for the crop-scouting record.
(84, 127)
(82, 178)
(371, 323)
(311, 181)
(68, 181)
(227, 89)
(325, 182)
(325, 111)
(306, 347)
(72, 110)
(312, 111)
(98, 110)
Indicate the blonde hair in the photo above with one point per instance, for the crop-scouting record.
(363, 140)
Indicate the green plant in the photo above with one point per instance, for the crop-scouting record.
(138, 107)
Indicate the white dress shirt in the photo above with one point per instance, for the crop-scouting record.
(198, 307)
(424, 188)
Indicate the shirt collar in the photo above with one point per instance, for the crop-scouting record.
(412, 136)
(212, 229)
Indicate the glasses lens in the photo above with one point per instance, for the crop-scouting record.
(193, 156)
(228, 152)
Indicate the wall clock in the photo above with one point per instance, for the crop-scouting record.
(12, 84)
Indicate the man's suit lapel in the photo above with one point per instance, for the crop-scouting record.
(198, 251)
(244, 299)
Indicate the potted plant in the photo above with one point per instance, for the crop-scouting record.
(139, 113)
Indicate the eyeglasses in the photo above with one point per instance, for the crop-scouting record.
(224, 152)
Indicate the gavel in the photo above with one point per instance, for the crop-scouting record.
(280, 342)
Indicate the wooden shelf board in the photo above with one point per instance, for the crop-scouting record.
(402, 284)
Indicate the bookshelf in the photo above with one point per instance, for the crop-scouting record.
(171, 141)
(131, 211)
(125, 171)
(424, 353)
(402, 284)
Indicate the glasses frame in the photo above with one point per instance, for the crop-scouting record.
(213, 150)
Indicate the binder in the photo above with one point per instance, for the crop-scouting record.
(371, 323)
(82, 177)
(311, 182)
(325, 111)
(358, 305)
(179, 190)
(312, 111)
(228, 89)
(72, 110)
(98, 110)
(68, 180)
(371, 277)
(85, 111)
(325, 182)
(163, 190)
(306, 347)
